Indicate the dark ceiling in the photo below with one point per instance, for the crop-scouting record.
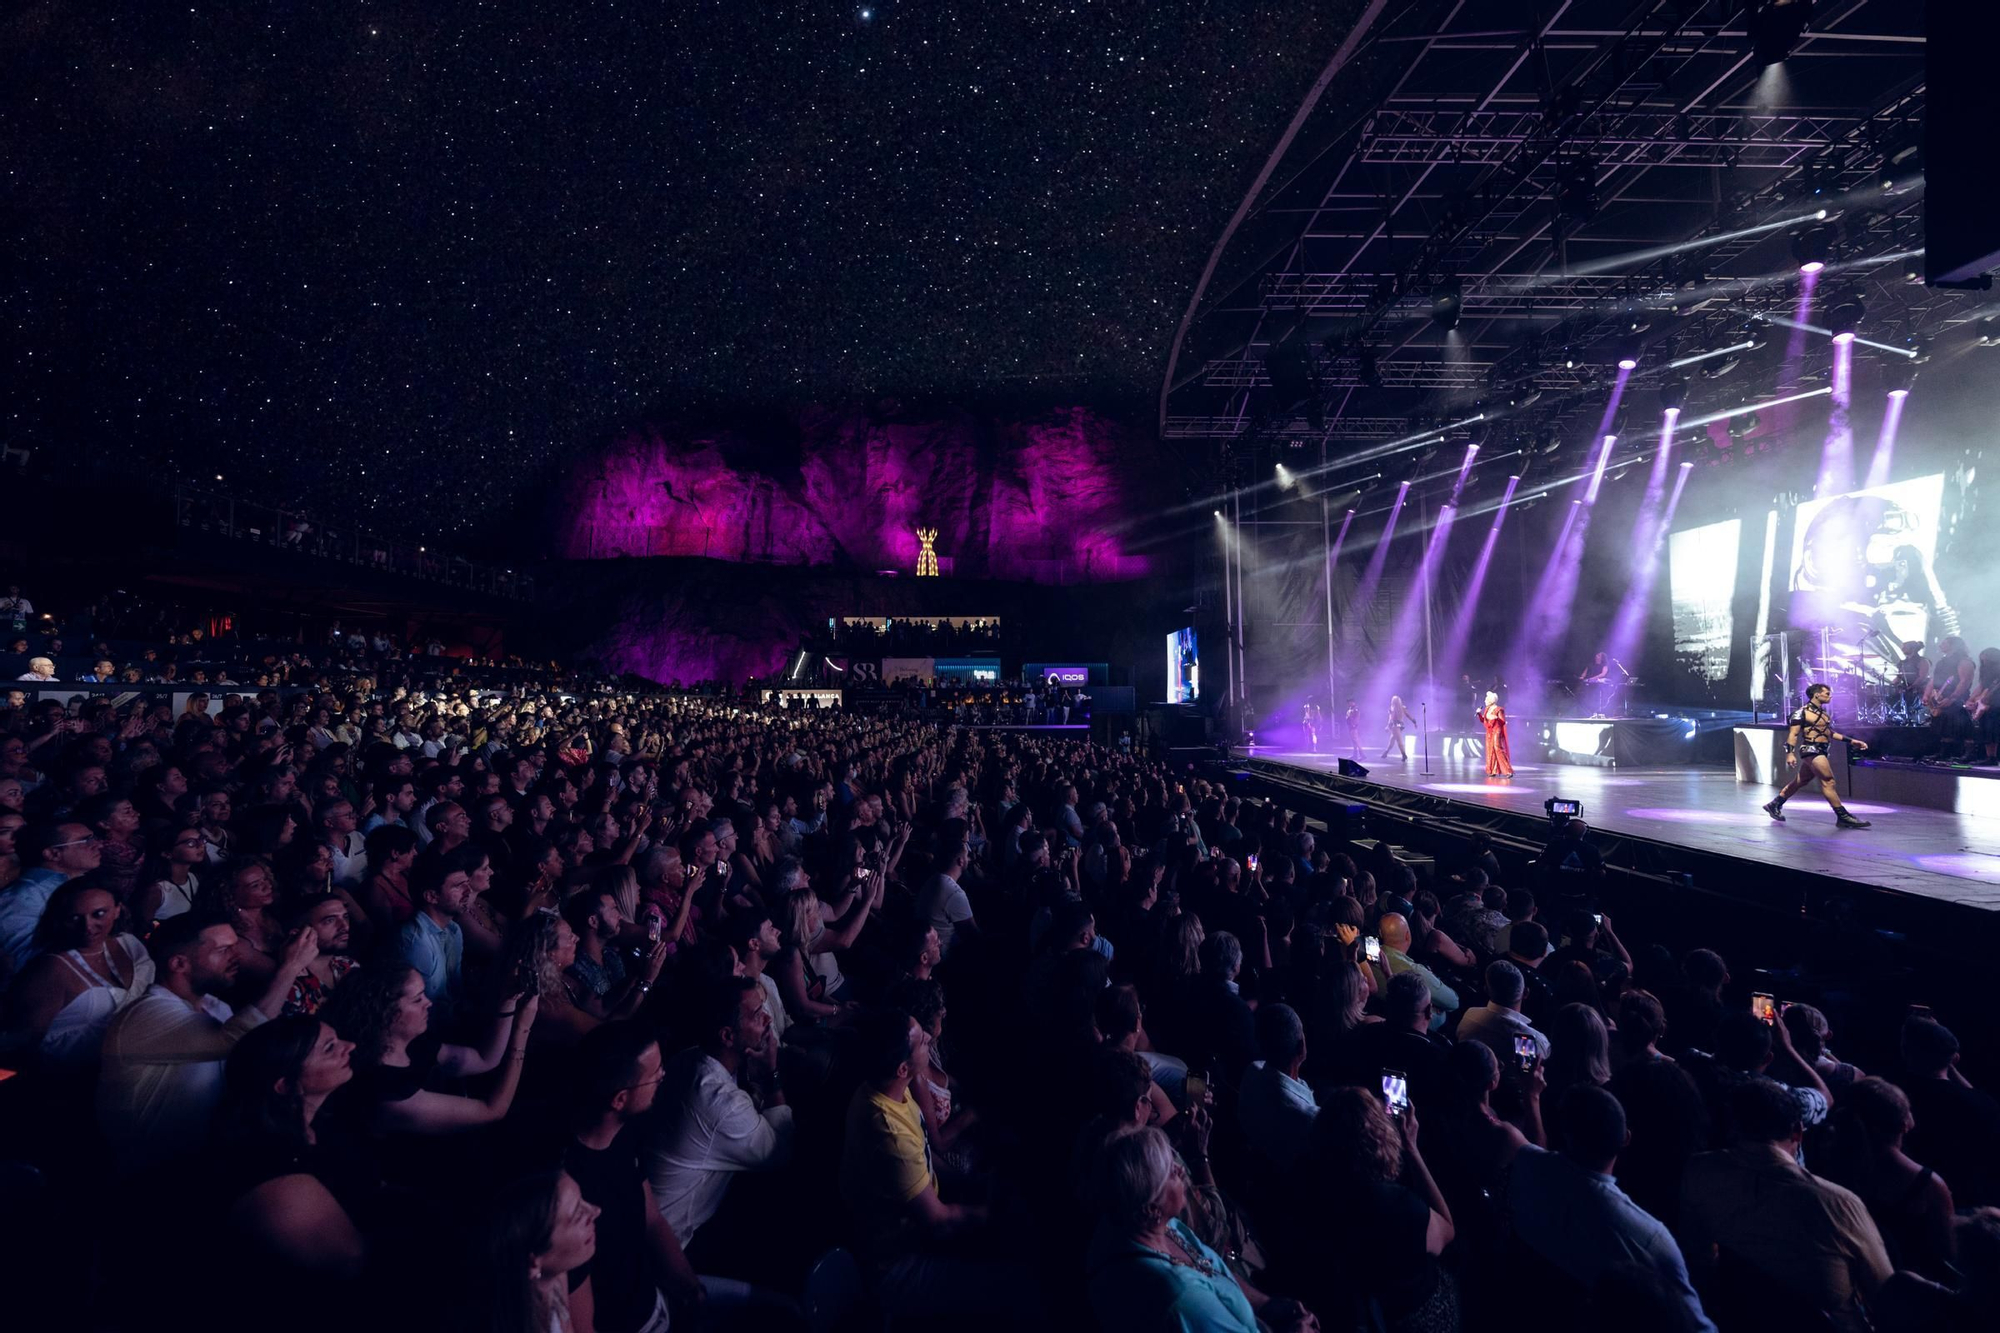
(1587, 179)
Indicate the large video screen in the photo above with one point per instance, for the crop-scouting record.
(1701, 571)
(1183, 668)
(1864, 568)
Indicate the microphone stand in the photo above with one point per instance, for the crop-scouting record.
(1425, 705)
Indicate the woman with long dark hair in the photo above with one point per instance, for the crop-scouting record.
(538, 1231)
(85, 970)
(385, 1016)
(298, 1196)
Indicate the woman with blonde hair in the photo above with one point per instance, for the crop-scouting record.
(1399, 718)
(1148, 1270)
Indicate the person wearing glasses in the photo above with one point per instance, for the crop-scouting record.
(173, 884)
(54, 854)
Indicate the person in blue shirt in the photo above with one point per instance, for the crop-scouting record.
(1147, 1271)
(1567, 1208)
(431, 941)
(54, 854)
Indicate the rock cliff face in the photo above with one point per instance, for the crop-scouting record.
(1042, 500)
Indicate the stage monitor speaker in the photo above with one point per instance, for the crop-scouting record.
(1961, 197)
(1350, 769)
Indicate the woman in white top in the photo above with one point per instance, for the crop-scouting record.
(83, 973)
(170, 886)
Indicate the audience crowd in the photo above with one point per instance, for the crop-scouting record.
(383, 1006)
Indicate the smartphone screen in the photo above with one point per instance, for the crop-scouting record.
(1764, 1006)
(1251, 860)
(1525, 1053)
(1396, 1090)
(1371, 948)
(1197, 1089)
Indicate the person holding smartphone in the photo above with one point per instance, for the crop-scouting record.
(1389, 1229)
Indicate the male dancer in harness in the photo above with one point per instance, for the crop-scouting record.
(1812, 732)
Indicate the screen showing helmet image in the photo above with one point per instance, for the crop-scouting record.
(1864, 569)
(1183, 668)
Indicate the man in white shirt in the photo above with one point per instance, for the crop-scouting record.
(1496, 1023)
(943, 903)
(708, 1128)
(1274, 1107)
(1567, 1208)
(163, 1054)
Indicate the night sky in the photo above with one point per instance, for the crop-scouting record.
(396, 257)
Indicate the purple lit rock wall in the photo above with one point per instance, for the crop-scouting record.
(1040, 501)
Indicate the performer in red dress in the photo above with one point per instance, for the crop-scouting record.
(1499, 764)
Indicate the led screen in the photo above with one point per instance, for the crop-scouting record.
(1864, 570)
(1701, 568)
(1183, 668)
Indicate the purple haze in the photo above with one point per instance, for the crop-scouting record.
(1647, 534)
(1885, 443)
(1460, 633)
(1364, 592)
(1042, 501)
(1836, 460)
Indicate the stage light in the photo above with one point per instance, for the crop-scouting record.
(1447, 304)
(1775, 28)
(1898, 376)
(1628, 363)
(1686, 466)
(1812, 247)
(1988, 327)
(1673, 395)
(1843, 316)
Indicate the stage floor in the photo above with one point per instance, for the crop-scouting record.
(1948, 857)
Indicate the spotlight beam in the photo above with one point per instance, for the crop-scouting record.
(1714, 417)
(1460, 634)
(1699, 357)
(1805, 327)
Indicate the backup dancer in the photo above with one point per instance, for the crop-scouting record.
(1810, 735)
(1399, 718)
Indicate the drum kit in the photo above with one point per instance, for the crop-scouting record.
(1865, 681)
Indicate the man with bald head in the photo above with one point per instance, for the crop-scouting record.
(1395, 933)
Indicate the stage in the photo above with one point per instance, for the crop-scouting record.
(1942, 857)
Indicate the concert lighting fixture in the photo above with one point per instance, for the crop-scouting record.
(1686, 466)
(1812, 247)
(1673, 395)
(1775, 28)
(1447, 304)
(1844, 315)
(1989, 331)
(1899, 376)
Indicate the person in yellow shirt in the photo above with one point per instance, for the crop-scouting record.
(890, 1187)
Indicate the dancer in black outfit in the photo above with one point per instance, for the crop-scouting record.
(1812, 732)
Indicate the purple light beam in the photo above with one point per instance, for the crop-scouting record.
(1885, 442)
(1836, 459)
(1391, 666)
(1545, 620)
(1371, 577)
(1647, 532)
(1457, 638)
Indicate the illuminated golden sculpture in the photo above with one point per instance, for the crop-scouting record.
(927, 565)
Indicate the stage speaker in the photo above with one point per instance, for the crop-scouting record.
(1350, 769)
(1961, 199)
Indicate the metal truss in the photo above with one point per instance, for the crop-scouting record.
(1517, 169)
(1399, 373)
(1416, 137)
